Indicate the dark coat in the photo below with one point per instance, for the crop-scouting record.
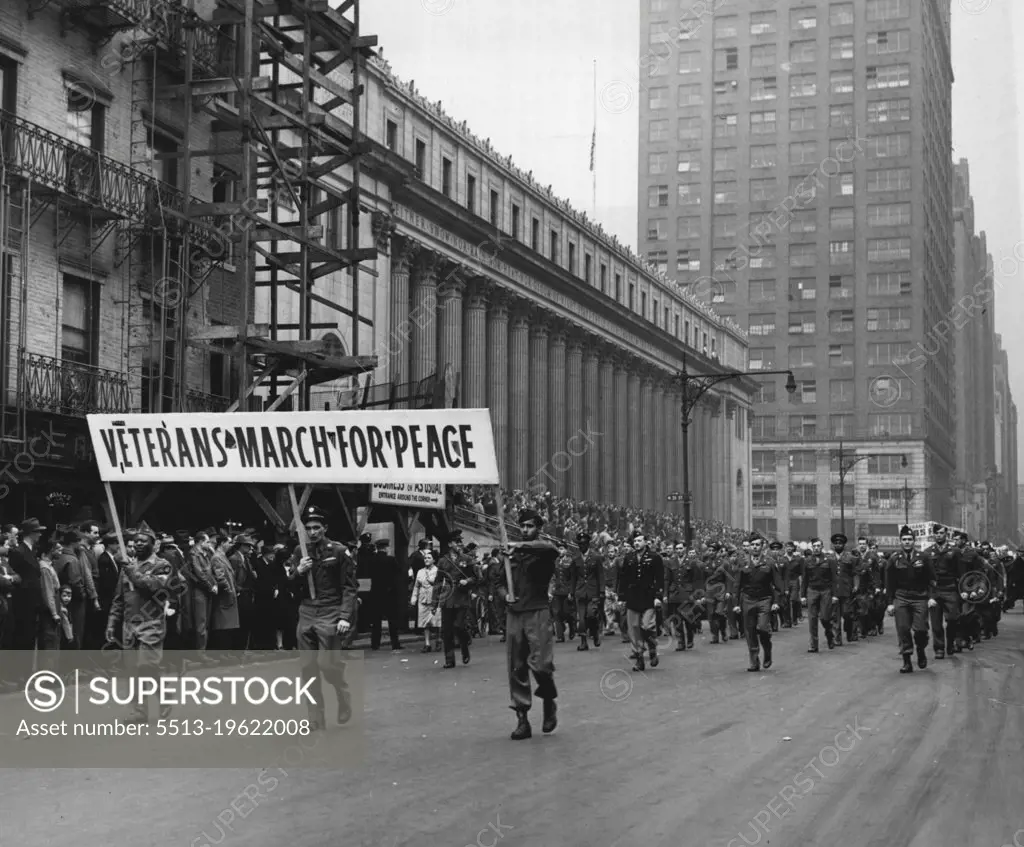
(641, 580)
(587, 576)
(27, 597)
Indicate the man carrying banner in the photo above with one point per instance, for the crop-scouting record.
(528, 625)
(327, 589)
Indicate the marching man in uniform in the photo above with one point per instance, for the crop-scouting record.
(843, 617)
(641, 582)
(528, 625)
(325, 579)
(949, 570)
(910, 586)
(587, 586)
(818, 581)
(759, 589)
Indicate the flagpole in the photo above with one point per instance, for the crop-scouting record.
(594, 144)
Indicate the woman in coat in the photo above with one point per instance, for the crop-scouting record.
(224, 619)
(428, 616)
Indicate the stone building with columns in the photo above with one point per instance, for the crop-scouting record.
(536, 313)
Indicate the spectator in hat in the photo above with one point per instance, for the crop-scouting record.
(224, 615)
(240, 556)
(108, 569)
(387, 588)
(30, 614)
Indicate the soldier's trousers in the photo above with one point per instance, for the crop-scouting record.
(588, 616)
(454, 626)
(734, 621)
(911, 615)
(989, 615)
(863, 606)
(796, 610)
(497, 610)
(819, 607)
(756, 616)
(843, 618)
(948, 609)
(530, 650)
(641, 631)
(320, 654)
(561, 613)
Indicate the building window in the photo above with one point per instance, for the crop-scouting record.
(762, 256)
(764, 156)
(803, 51)
(889, 390)
(572, 252)
(725, 192)
(803, 289)
(657, 195)
(888, 10)
(762, 324)
(803, 495)
(840, 48)
(840, 355)
(727, 59)
(762, 291)
(688, 162)
(762, 190)
(889, 146)
(657, 131)
(659, 32)
(840, 391)
(803, 85)
(515, 221)
(658, 258)
(801, 323)
(889, 214)
(725, 226)
(763, 88)
(840, 320)
(803, 152)
(391, 135)
(587, 269)
(762, 358)
(840, 14)
(842, 185)
(762, 123)
(689, 63)
(803, 188)
(841, 82)
(888, 353)
(891, 284)
(888, 249)
(690, 95)
(882, 43)
(800, 357)
(657, 98)
(604, 278)
(885, 463)
(840, 287)
(725, 160)
(79, 320)
(841, 117)
(763, 462)
(763, 494)
(643, 304)
(726, 27)
(85, 117)
(688, 193)
(618, 288)
(446, 177)
(840, 252)
(885, 499)
(802, 255)
(632, 297)
(725, 126)
(495, 208)
(889, 111)
(802, 119)
(889, 425)
(165, 170)
(688, 260)
(657, 163)
(421, 159)
(762, 56)
(841, 218)
(763, 23)
(803, 221)
(888, 319)
(888, 76)
(803, 461)
(471, 193)
(535, 235)
(690, 129)
(889, 179)
(763, 426)
(554, 246)
(725, 259)
(688, 228)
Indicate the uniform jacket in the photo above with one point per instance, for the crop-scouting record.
(846, 572)
(641, 580)
(533, 565)
(794, 567)
(819, 574)
(561, 581)
(137, 611)
(948, 566)
(869, 576)
(587, 579)
(334, 577)
(107, 573)
(758, 579)
(910, 574)
(453, 569)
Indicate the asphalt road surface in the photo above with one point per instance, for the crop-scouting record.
(834, 748)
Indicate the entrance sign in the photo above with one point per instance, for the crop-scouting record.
(410, 495)
(424, 446)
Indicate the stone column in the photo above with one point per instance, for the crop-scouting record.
(605, 445)
(424, 315)
(732, 465)
(633, 441)
(591, 457)
(557, 435)
(574, 409)
(519, 398)
(449, 333)
(540, 450)
(646, 442)
(397, 346)
(697, 448)
(474, 347)
(497, 379)
(659, 465)
(621, 380)
(674, 475)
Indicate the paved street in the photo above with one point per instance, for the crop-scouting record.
(836, 748)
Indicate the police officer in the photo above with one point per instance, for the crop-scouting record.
(586, 584)
(758, 591)
(909, 582)
(817, 582)
(843, 619)
(528, 625)
(945, 600)
(326, 586)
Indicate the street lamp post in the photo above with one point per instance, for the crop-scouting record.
(694, 387)
(844, 469)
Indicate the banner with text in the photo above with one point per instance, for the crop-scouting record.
(429, 447)
(415, 495)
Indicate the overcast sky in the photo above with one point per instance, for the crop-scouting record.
(522, 74)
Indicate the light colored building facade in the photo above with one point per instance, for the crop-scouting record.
(1003, 505)
(794, 169)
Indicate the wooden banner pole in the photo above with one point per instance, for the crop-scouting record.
(301, 530)
(116, 518)
(503, 534)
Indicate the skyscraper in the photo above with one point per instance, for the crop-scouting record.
(795, 170)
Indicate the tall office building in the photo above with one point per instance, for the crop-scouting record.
(795, 169)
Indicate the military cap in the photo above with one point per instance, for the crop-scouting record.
(471, 547)
(455, 536)
(366, 538)
(383, 543)
(313, 514)
(960, 534)
(754, 537)
(906, 530)
(582, 536)
(351, 543)
(839, 538)
(775, 545)
(986, 545)
(143, 533)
